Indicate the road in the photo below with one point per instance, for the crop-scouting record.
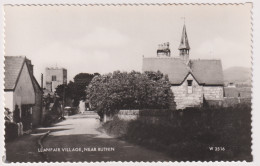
(82, 131)
(79, 138)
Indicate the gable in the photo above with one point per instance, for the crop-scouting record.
(24, 90)
(13, 67)
(189, 76)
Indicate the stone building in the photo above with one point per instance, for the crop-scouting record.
(194, 81)
(54, 77)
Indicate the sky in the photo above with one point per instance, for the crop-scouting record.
(103, 39)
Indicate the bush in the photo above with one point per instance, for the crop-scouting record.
(11, 131)
(121, 90)
(116, 127)
(188, 134)
(49, 119)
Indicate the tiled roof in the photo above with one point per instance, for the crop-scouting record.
(13, 66)
(208, 72)
(175, 68)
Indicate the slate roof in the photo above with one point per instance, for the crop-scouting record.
(175, 68)
(13, 66)
(206, 72)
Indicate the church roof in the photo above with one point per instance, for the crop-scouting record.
(184, 40)
(13, 67)
(175, 68)
(206, 72)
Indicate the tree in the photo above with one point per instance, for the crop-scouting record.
(76, 90)
(121, 90)
(81, 81)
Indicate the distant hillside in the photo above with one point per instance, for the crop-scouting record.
(237, 75)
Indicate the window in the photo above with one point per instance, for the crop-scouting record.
(53, 78)
(189, 82)
(189, 86)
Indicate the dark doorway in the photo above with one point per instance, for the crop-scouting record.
(26, 117)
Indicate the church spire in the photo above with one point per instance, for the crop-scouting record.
(184, 45)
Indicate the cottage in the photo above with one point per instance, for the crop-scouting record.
(37, 110)
(23, 95)
(194, 81)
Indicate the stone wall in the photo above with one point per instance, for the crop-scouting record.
(128, 114)
(184, 99)
(213, 92)
(145, 115)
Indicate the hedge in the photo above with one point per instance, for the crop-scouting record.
(187, 135)
(11, 131)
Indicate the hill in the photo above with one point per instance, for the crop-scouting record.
(237, 75)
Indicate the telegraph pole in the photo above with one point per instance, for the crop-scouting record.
(63, 100)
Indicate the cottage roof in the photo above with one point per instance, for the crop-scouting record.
(13, 67)
(208, 72)
(175, 68)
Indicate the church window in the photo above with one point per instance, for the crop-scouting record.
(189, 86)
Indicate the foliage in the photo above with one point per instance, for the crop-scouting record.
(121, 90)
(116, 127)
(188, 134)
(11, 130)
(81, 81)
(76, 90)
(66, 90)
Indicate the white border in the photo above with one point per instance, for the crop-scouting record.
(256, 76)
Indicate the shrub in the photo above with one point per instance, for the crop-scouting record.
(49, 119)
(121, 90)
(11, 131)
(188, 134)
(116, 127)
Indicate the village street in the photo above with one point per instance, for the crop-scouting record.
(79, 138)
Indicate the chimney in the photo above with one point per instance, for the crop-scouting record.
(30, 66)
(164, 50)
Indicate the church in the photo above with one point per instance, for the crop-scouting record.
(194, 81)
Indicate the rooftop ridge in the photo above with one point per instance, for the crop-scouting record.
(19, 56)
(161, 57)
(206, 59)
(58, 68)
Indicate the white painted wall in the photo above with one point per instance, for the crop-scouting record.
(9, 97)
(24, 91)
